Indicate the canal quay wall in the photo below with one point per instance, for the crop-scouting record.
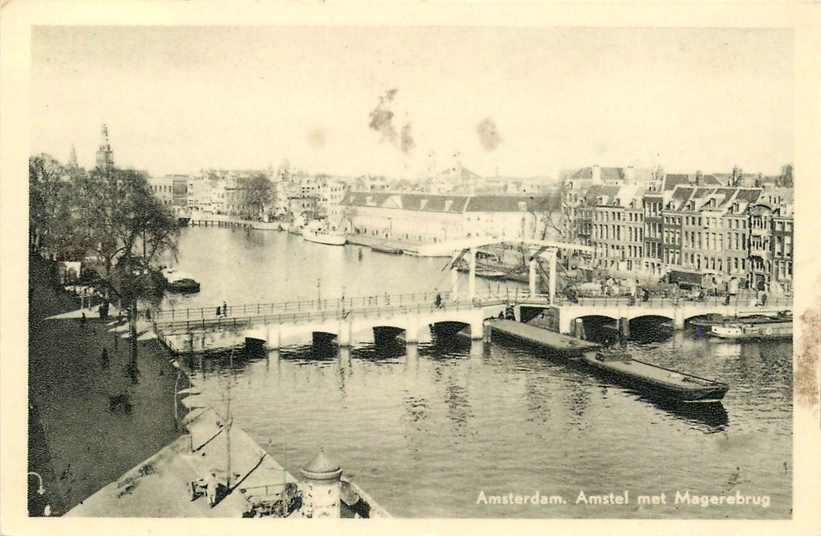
(109, 441)
(161, 485)
(78, 441)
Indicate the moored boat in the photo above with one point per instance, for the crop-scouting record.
(654, 380)
(265, 226)
(179, 282)
(386, 249)
(707, 322)
(490, 274)
(773, 328)
(186, 285)
(557, 343)
(319, 235)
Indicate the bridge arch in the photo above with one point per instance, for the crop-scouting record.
(323, 338)
(385, 334)
(592, 326)
(446, 328)
(649, 326)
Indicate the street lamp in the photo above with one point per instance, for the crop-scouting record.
(41, 490)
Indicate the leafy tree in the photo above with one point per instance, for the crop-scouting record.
(259, 193)
(47, 201)
(128, 228)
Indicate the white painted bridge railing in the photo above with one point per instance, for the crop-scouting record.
(353, 303)
(170, 327)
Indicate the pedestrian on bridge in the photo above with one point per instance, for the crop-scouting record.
(224, 309)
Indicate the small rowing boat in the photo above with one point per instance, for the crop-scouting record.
(386, 249)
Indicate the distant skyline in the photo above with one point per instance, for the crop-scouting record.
(405, 101)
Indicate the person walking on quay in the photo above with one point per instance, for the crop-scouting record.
(211, 489)
(224, 309)
(219, 310)
(83, 321)
(438, 301)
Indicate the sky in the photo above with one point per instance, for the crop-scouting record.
(405, 101)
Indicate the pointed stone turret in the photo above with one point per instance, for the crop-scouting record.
(321, 487)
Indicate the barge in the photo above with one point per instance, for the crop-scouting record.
(772, 328)
(556, 342)
(654, 380)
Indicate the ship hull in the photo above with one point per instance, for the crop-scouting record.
(650, 380)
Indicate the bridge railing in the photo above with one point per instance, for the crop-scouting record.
(328, 304)
(366, 304)
(297, 317)
(658, 301)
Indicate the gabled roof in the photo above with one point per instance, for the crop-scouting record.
(600, 190)
(671, 180)
(452, 203)
(709, 180)
(513, 203)
(748, 195)
(681, 195)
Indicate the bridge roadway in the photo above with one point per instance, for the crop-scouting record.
(276, 324)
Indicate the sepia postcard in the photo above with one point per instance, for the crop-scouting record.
(428, 266)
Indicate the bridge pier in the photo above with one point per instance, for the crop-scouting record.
(578, 329)
(678, 319)
(273, 336)
(344, 335)
(624, 327)
(412, 331)
(477, 330)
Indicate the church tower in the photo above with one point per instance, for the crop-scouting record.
(72, 158)
(105, 156)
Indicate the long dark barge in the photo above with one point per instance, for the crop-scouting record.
(537, 336)
(654, 380)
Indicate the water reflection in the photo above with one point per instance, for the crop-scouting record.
(425, 425)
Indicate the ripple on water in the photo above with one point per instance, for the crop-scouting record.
(425, 434)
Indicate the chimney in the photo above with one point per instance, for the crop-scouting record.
(596, 174)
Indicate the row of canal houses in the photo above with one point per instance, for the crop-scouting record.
(693, 228)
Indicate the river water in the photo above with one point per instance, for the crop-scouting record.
(441, 429)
